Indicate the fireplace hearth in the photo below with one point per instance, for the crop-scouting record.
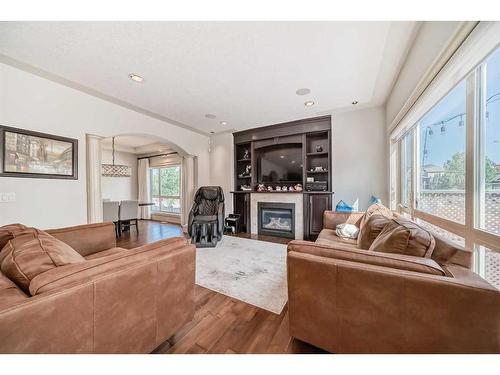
(276, 219)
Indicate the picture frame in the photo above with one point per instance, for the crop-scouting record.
(30, 154)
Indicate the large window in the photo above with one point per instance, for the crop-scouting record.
(165, 189)
(441, 189)
(449, 167)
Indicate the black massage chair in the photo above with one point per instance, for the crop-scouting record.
(206, 218)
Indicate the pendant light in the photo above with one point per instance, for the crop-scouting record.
(115, 170)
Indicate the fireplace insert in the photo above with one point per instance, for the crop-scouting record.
(276, 219)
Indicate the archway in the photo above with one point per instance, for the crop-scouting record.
(150, 147)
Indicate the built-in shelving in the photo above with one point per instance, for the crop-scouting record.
(314, 135)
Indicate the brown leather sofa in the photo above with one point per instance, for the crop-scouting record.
(345, 299)
(112, 300)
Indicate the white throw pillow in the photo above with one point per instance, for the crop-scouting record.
(347, 231)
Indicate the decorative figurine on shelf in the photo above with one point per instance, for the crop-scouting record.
(246, 187)
(261, 187)
(269, 188)
(319, 148)
(278, 188)
(290, 188)
(248, 170)
(310, 179)
(246, 154)
(318, 169)
(298, 187)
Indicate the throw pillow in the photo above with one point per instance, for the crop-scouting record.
(346, 230)
(7, 233)
(371, 229)
(33, 252)
(405, 237)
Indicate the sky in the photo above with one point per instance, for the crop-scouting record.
(441, 146)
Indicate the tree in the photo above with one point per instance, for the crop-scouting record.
(490, 172)
(453, 176)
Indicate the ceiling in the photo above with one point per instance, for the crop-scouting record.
(136, 144)
(245, 73)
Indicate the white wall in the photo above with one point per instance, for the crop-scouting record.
(222, 166)
(431, 39)
(359, 156)
(120, 188)
(31, 102)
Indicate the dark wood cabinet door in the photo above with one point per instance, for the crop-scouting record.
(316, 204)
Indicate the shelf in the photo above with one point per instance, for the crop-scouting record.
(244, 177)
(316, 172)
(242, 160)
(280, 192)
(322, 153)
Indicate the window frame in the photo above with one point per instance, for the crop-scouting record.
(159, 195)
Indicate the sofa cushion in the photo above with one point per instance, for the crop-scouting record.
(371, 229)
(10, 294)
(76, 274)
(329, 236)
(105, 253)
(33, 252)
(401, 236)
(7, 232)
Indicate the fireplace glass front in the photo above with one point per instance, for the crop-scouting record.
(277, 219)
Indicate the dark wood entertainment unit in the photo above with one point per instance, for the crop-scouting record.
(314, 137)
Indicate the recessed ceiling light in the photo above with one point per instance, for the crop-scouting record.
(355, 102)
(282, 156)
(210, 116)
(303, 91)
(309, 103)
(135, 77)
(223, 123)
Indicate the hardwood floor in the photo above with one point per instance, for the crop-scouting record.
(222, 324)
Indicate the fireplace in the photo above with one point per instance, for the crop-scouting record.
(276, 219)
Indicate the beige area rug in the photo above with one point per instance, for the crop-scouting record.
(248, 270)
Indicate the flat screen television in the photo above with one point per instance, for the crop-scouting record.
(279, 164)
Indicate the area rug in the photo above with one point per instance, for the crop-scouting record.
(248, 270)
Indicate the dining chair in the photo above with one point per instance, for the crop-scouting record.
(111, 212)
(129, 214)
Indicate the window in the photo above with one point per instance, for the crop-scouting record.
(488, 217)
(452, 156)
(441, 189)
(165, 189)
(487, 264)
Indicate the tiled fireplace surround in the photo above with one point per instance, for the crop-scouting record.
(296, 198)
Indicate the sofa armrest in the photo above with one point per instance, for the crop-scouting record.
(88, 238)
(350, 307)
(332, 218)
(347, 252)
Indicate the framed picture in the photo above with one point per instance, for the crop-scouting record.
(24, 153)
